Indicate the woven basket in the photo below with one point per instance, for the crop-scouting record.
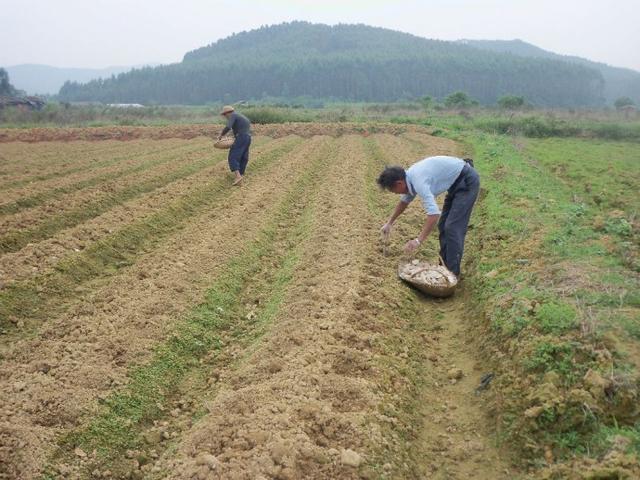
(224, 143)
(434, 280)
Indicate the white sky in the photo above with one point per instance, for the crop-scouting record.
(101, 33)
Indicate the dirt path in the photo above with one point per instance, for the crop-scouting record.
(454, 438)
(455, 441)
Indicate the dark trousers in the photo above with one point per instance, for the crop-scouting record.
(239, 153)
(455, 215)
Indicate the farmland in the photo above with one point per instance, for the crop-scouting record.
(158, 323)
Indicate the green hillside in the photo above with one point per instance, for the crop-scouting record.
(345, 62)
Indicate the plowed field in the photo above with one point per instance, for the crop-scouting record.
(157, 322)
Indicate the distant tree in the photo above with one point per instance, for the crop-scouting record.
(511, 102)
(5, 86)
(459, 100)
(426, 102)
(623, 102)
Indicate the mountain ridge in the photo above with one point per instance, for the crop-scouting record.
(42, 79)
(345, 62)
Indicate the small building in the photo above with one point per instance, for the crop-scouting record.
(125, 105)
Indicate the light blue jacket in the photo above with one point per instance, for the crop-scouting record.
(430, 177)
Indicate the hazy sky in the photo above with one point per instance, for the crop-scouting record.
(101, 33)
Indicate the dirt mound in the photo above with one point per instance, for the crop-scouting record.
(192, 131)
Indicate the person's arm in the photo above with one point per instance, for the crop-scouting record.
(230, 121)
(433, 215)
(400, 207)
(429, 224)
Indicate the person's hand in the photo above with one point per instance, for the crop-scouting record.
(412, 245)
(386, 230)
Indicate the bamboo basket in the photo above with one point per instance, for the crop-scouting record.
(224, 143)
(434, 280)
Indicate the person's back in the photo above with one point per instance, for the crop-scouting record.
(239, 124)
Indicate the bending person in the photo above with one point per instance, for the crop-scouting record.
(429, 178)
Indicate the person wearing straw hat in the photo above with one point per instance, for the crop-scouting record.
(239, 152)
(429, 178)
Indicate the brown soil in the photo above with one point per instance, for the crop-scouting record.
(35, 181)
(300, 396)
(353, 377)
(455, 434)
(87, 350)
(193, 131)
(30, 218)
(55, 158)
(36, 258)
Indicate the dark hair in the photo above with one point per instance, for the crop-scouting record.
(390, 175)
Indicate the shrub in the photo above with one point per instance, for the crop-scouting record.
(272, 115)
(459, 100)
(623, 102)
(511, 102)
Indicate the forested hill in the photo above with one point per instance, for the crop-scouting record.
(346, 62)
(619, 82)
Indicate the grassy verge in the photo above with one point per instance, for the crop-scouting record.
(271, 258)
(549, 265)
(35, 299)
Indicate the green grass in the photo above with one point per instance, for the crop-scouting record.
(556, 317)
(554, 267)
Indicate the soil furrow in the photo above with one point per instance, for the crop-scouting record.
(37, 224)
(50, 168)
(292, 403)
(35, 259)
(267, 259)
(89, 348)
(442, 431)
(23, 155)
(26, 304)
(34, 194)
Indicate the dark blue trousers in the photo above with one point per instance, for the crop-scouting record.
(239, 153)
(455, 215)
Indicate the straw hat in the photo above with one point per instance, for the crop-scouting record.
(227, 109)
